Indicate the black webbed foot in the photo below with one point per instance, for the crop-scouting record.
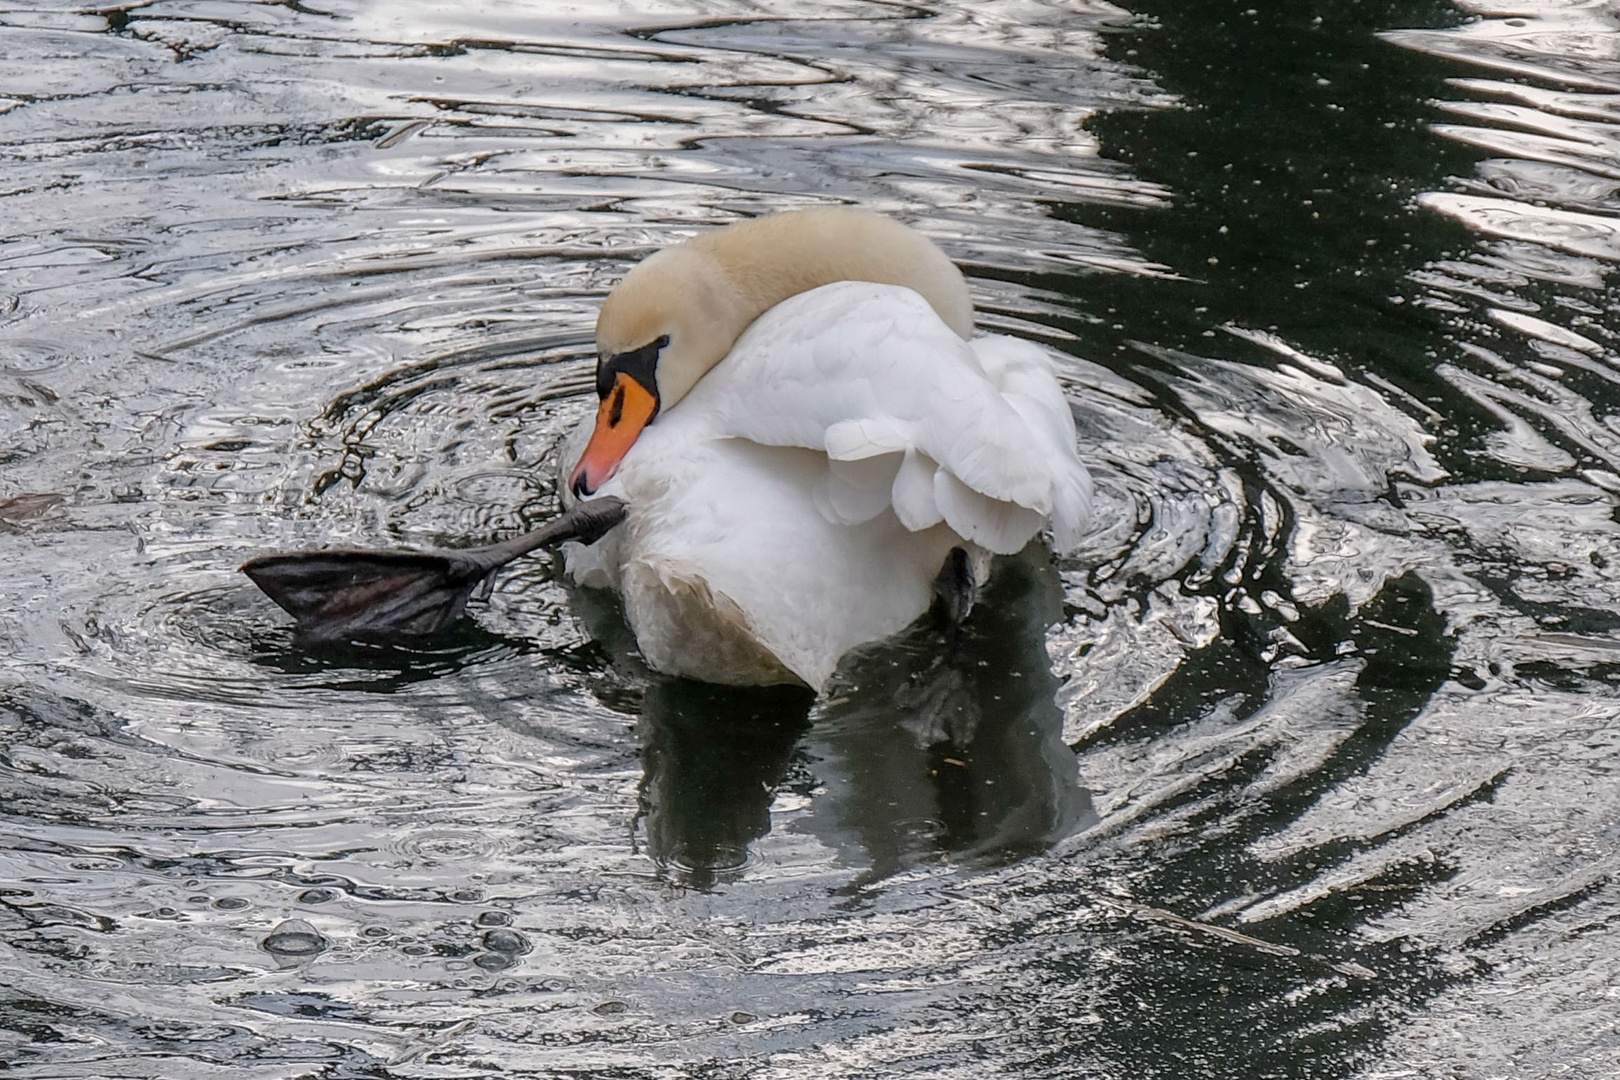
(336, 595)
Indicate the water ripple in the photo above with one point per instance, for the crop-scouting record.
(1313, 736)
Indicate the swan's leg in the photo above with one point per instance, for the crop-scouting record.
(937, 702)
(955, 586)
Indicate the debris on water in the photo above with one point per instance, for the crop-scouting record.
(28, 506)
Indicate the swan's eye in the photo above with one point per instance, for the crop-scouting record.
(640, 364)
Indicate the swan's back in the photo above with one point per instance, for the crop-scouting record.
(773, 258)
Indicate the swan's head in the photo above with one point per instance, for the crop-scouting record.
(670, 320)
(678, 313)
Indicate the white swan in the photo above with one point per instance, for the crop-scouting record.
(803, 433)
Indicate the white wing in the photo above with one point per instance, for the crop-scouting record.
(911, 417)
(1022, 371)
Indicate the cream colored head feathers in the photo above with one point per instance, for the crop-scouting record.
(705, 292)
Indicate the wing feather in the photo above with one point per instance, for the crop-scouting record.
(912, 493)
(1002, 527)
(860, 490)
(977, 435)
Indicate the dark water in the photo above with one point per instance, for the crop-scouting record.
(1305, 767)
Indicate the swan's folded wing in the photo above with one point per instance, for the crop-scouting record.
(1023, 373)
(869, 374)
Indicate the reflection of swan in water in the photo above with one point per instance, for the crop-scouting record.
(712, 759)
(950, 739)
(944, 741)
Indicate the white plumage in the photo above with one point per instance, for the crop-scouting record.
(804, 494)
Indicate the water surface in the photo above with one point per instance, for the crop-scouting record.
(1304, 766)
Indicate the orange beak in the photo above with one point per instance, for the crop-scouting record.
(626, 409)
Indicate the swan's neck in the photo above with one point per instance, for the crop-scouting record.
(702, 295)
(771, 259)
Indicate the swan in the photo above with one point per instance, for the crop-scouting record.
(809, 439)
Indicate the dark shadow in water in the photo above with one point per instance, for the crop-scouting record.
(1269, 226)
(381, 666)
(949, 741)
(712, 759)
(944, 742)
(1295, 160)
(1227, 1009)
